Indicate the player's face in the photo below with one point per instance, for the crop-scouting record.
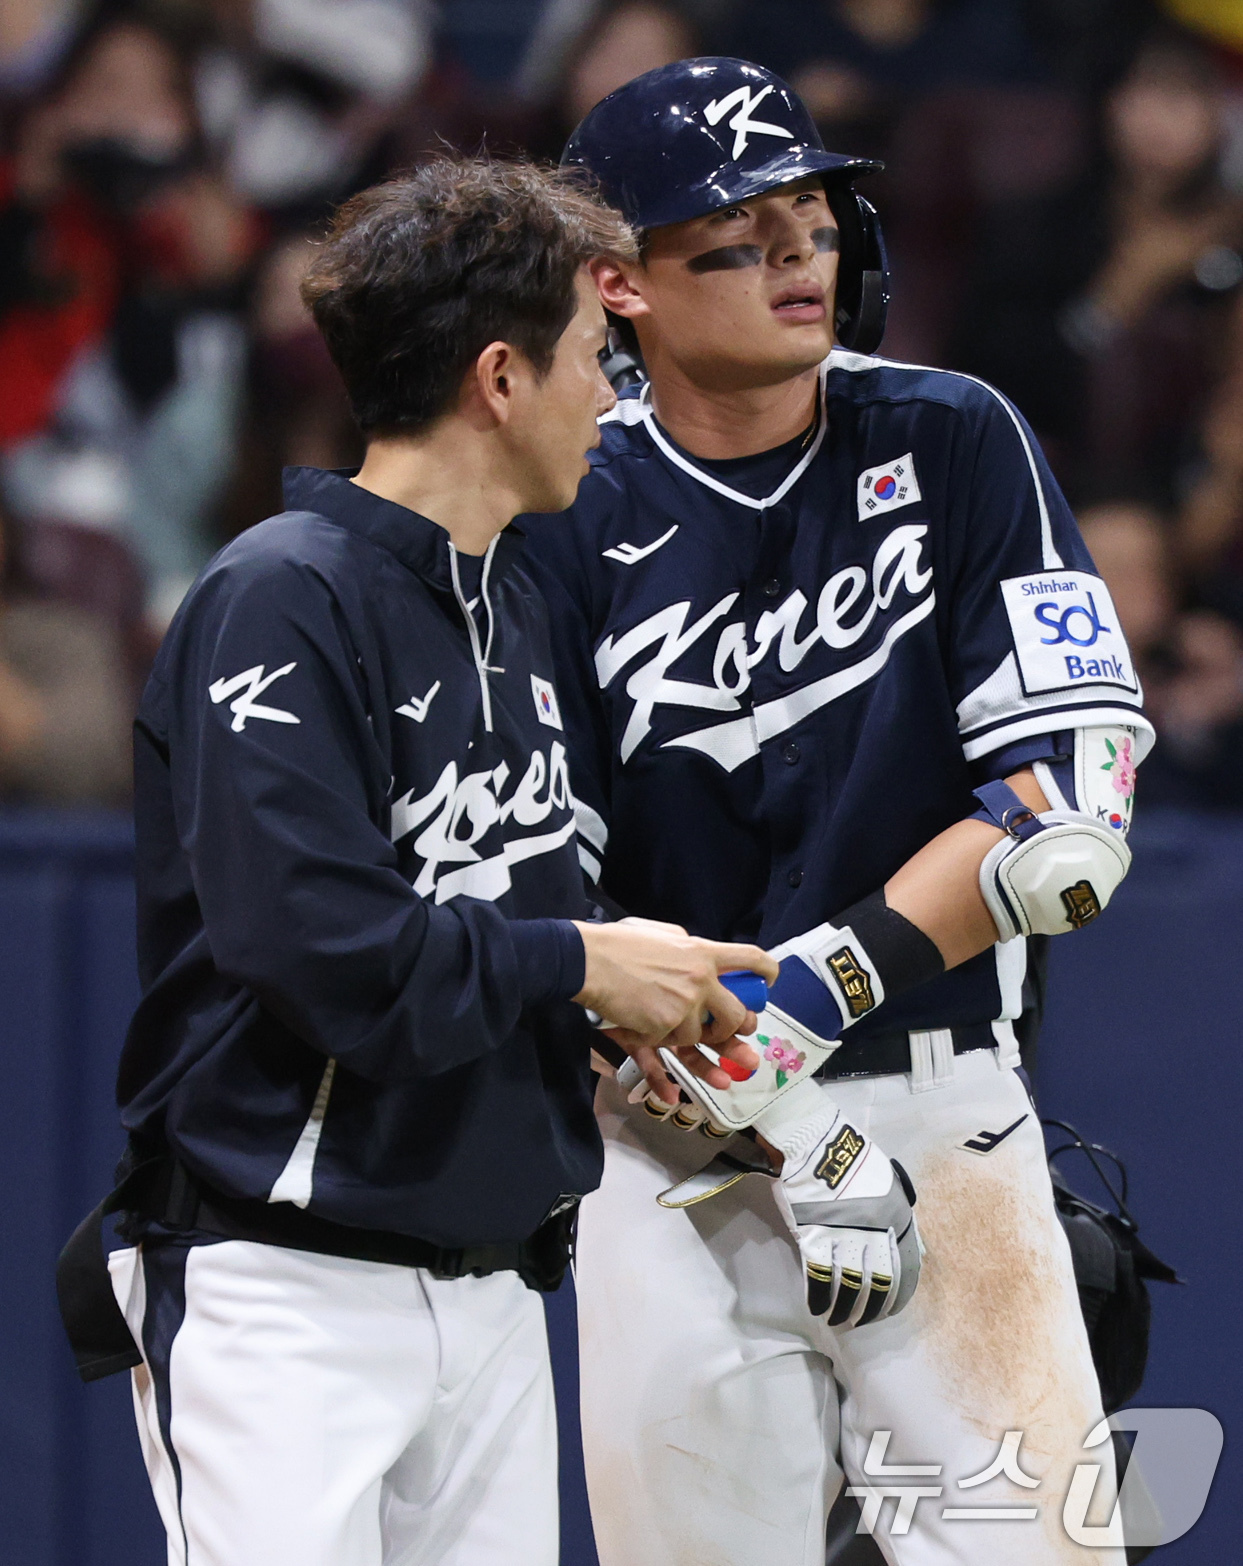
(556, 425)
(743, 297)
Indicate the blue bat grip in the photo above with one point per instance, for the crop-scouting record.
(750, 988)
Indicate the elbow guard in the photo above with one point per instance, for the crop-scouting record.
(1055, 872)
(1050, 873)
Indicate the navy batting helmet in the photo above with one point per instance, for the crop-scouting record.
(693, 137)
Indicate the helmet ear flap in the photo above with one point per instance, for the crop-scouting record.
(862, 273)
(623, 363)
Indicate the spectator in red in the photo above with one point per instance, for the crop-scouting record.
(59, 260)
(122, 350)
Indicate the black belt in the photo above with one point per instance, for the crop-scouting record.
(163, 1192)
(882, 1054)
(183, 1201)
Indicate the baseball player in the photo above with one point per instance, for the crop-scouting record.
(839, 678)
(357, 1086)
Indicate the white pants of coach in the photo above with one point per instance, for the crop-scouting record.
(718, 1416)
(304, 1410)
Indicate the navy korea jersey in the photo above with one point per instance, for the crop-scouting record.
(779, 685)
(356, 872)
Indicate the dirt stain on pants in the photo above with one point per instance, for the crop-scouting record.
(997, 1296)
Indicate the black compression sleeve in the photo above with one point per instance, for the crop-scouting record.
(901, 953)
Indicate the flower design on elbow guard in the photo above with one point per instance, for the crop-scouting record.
(1122, 764)
(782, 1054)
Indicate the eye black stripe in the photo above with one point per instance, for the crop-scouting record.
(726, 258)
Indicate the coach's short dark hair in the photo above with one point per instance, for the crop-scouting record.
(418, 275)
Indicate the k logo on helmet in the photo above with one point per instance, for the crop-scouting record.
(742, 125)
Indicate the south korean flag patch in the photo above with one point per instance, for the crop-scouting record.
(546, 709)
(887, 487)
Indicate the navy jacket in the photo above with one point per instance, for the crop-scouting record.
(356, 868)
(783, 675)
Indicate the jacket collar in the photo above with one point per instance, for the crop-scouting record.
(420, 544)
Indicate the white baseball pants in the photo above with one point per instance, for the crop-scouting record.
(719, 1416)
(305, 1410)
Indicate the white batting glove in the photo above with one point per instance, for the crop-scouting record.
(852, 1210)
(850, 1207)
(826, 983)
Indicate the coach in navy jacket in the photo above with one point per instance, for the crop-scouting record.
(312, 744)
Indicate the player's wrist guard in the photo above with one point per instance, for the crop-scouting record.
(831, 977)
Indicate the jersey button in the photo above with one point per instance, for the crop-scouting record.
(790, 753)
(772, 588)
(795, 878)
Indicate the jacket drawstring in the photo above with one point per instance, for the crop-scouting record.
(472, 630)
(487, 604)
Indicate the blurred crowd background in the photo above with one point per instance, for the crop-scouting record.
(1063, 201)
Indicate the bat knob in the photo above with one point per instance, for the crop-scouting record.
(750, 988)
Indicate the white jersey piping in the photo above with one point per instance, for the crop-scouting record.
(855, 364)
(1075, 718)
(296, 1180)
(648, 417)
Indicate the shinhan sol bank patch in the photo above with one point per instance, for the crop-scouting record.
(1066, 632)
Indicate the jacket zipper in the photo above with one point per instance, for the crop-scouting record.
(472, 630)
